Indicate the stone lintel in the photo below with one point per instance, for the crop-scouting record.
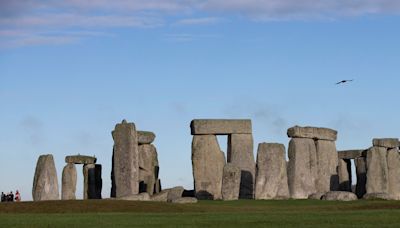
(312, 133)
(80, 159)
(220, 126)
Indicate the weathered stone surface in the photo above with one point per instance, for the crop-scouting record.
(125, 169)
(327, 163)
(160, 197)
(231, 182)
(137, 197)
(69, 177)
(377, 196)
(175, 193)
(148, 163)
(240, 154)
(312, 133)
(220, 127)
(351, 154)
(393, 159)
(302, 168)
(185, 200)
(388, 143)
(208, 164)
(157, 186)
(45, 182)
(377, 166)
(339, 196)
(80, 159)
(145, 137)
(316, 196)
(271, 178)
(361, 171)
(344, 172)
(89, 184)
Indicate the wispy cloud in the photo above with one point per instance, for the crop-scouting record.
(199, 21)
(186, 37)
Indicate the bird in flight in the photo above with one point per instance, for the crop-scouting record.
(344, 81)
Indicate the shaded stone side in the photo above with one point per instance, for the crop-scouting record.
(231, 182)
(361, 171)
(69, 177)
(377, 166)
(148, 163)
(45, 182)
(89, 184)
(393, 159)
(327, 163)
(98, 182)
(208, 164)
(271, 178)
(344, 172)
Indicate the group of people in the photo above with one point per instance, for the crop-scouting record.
(10, 197)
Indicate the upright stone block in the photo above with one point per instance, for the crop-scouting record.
(344, 171)
(231, 182)
(327, 161)
(361, 170)
(208, 164)
(89, 184)
(220, 127)
(377, 166)
(69, 177)
(393, 158)
(240, 154)
(271, 178)
(148, 163)
(45, 182)
(125, 170)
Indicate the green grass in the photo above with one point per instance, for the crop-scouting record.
(110, 213)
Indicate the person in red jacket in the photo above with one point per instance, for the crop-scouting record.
(17, 196)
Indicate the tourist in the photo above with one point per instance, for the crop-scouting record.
(17, 196)
(3, 197)
(11, 197)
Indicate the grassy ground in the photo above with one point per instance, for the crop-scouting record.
(109, 213)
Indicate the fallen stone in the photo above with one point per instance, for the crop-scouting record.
(240, 154)
(316, 196)
(220, 127)
(185, 200)
(80, 159)
(231, 182)
(377, 196)
(361, 171)
(312, 133)
(351, 154)
(146, 137)
(302, 168)
(344, 172)
(377, 166)
(137, 197)
(125, 164)
(148, 163)
(327, 161)
(69, 177)
(175, 193)
(45, 182)
(393, 159)
(271, 178)
(340, 196)
(388, 143)
(208, 164)
(160, 197)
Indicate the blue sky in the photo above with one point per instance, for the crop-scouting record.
(70, 70)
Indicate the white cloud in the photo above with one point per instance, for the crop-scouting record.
(199, 21)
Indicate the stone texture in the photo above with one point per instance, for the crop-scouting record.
(98, 182)
(339, 196)
(175, 193)
(145, 137)
(148, 163)
(377, 166)
(377, 196)
(208, 164)
(69, 177)
(231, 182)
(393, 159)
(45, 182)
(220, 127)
(240, 154)
(388, 143)
(125, 164)
(271, 178)
(351, 154)
(327, 163)
(89, 181)
(344, 172)
(80, 159)
(157, 187)
(361, 171)
(137, 197)
(312, 133)
(316, 196)
(160, 197)
(302, 168)
(185, 200)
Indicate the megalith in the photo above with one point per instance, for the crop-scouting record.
(361, 171)
(45, 182)
(208, 165)
(231, 182)
(327, 163)
(69, 177)
(377, 166)
(125, 162)
(148, 163)
(393, 159)
(344, 172)
(271, 177)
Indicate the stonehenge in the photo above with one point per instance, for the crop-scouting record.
(45, 182)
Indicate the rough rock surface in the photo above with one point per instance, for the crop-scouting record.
(125, 169)
(312, 133)
(271, 178)
(351, 154)
(69, 177)
(393, 159)
(137, 197)
(339, 196)
(220, 127)
(302, 168)
(316, 196)
(146, 137)
(361, 171)
(327, 163)
(240, 154)
(377, 166)
(344, 172)
(45, 182)
(175, 193)
(160, 197)
(80, 159)
(89, 181)
(231, 182)
(208, 165)
(185, 200)
(377, 196)
(388, 143)
(148, 163)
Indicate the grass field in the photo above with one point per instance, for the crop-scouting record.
(110, 213)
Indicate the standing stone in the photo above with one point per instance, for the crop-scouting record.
(45, 182)
(69, 177)
(125, 170)
(271, 182)
(377, 175)
(393, 159)
(157, 186)
(302, 169)
(231, 182)
(327, 163)
(388, 143)
(361, 171)
(208, 164)
(89, 184)
(98, 181)
(148, 163)
(240, 154)
(344, 172)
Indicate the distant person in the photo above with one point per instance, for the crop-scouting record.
(11, 197)
(3, 197)
(17, 196)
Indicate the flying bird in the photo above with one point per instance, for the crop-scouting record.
(344, 81)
